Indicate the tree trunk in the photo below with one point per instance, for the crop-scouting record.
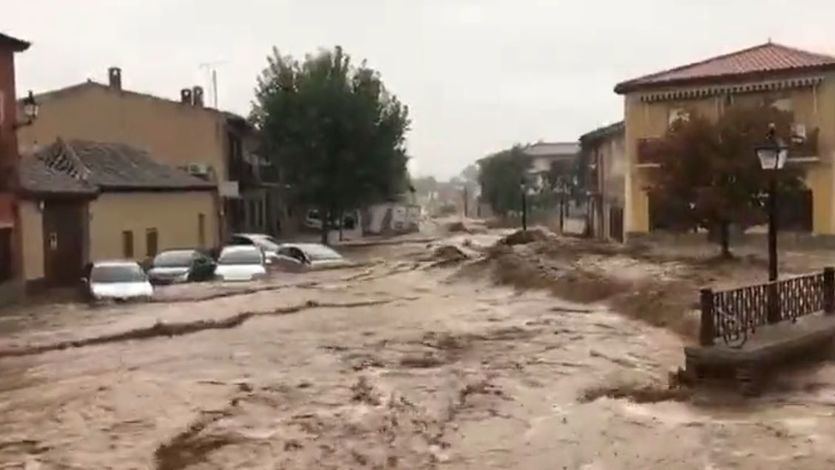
(325, 217)
(725, 238)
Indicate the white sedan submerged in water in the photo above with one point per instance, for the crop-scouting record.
(117, 280)
(240, 263)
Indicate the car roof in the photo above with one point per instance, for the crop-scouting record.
(120, 262)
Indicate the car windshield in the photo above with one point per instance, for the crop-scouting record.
(117, 273)
(174, 259)
(320, 252)
(252, 256)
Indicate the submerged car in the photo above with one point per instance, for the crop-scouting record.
(308, 256)
(240, 263)
(267, 244)
(175, 266)
(117, 280)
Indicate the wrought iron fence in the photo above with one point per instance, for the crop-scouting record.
(735, 314)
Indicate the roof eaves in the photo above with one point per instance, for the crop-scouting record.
(126, 188)
(602, 132)
(15, 44)
(635, 85)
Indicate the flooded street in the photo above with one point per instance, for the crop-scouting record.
(398, 363)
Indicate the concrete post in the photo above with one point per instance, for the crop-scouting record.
(829, 290)
(707, 329)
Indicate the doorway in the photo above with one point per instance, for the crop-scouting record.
(63, 236)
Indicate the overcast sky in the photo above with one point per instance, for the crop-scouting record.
(478, 75)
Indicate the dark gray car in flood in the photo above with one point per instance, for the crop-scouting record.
(175, 266)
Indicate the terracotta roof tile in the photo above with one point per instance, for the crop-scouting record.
(762, 59)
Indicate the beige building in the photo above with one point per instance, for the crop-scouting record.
(182, 133)
(85, 201)
(790, 79)
(605, 171)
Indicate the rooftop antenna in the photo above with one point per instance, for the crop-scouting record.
(212, 68)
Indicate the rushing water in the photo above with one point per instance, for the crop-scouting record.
(390, 366)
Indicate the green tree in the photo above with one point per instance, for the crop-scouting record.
(334, 131)
(500, 176)
(709, 175)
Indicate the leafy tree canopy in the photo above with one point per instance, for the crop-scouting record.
(710, 175)
(500, 176)
(333, 130)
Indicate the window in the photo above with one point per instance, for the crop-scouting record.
(201, 230)
(127, 244)
(678, 114)
(151, 242)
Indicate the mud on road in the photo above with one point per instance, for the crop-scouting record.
(422, 359)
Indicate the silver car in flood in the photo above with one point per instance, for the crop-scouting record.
(117, 280)
(240, 263)
(295, 257)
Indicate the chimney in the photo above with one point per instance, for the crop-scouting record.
(114, 75)
(185, 96)
(197, 97)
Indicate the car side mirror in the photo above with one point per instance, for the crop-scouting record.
(85, 281)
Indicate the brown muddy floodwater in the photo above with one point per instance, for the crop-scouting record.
(393, 365)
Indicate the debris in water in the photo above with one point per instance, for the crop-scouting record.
(523, 237)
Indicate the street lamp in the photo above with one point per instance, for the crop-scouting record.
(561, 190)
(30, 111)
(522, 190)
(772, 156)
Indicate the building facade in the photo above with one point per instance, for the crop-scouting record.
(179, 133)
(259, 206)
(605, 173)
(84, 201)
(770, 74)
(10, 233)
(546, 157)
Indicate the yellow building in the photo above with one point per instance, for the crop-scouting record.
(85, 201)
(790, 79)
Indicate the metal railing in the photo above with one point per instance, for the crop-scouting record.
(735, 314)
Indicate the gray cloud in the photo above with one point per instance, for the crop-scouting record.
(477, 75)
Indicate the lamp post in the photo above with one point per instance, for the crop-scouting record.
(30, 111)
(772, 156)
(561, 191)
(522, 190)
